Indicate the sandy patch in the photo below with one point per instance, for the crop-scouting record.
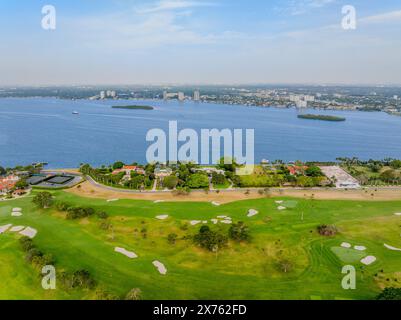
(281, 208)
(126, 253)
(195, 222)
(5, 228)
(280, 202)
(215, 203)
(368, 260)
(398, 214)
(160, 267)
(252, 213)
(205, 222)
(17, 229)
(29, 232)
(227, 222)
(386, 194)
(392, 248)
(221, 217)
(215, 221)
(346, 245)
(112, 200)
(360, 248)
(16, 214)
(158, 201)
(162, 217)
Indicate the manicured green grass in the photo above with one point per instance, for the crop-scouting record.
(240, 271)
(222, 186)
(348, 255)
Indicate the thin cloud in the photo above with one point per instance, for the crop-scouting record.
(392, 16)
(296, 7)
(170, 5)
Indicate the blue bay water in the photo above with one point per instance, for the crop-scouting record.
(45, 130)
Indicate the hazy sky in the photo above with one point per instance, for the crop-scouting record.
(199, 42)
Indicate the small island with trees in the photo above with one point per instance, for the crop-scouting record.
(134, 107)
(320, 117)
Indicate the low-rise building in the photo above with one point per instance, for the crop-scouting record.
(295, 170)
(209, 170)
(129, 169)
(8, 183)
(163, 172)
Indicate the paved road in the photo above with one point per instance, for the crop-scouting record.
(94, 183)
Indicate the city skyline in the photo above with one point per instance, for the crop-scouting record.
(201, 42)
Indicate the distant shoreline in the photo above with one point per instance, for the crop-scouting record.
(273, 106)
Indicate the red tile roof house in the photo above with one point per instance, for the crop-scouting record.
(7, 183)
(129, 169)
(294, 170)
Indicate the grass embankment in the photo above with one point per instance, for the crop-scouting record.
(240, 271)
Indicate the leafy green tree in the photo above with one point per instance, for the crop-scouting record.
(395, 164)
(134, 295)
(375, 167)
(228, 164)
(390, 294)
(118, 165)
(284, 265)
(136, 182)
(389, 175)
(43, 200)
(2, 171)
(102, 215)
(305, 182)
(327, 231)
(21, 184)
(170, 182)
(198, 181)
(172, 238)
(210, 240)
(314, 172)
(219, 179)
(239, 232)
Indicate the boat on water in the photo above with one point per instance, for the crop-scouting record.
(75, 112)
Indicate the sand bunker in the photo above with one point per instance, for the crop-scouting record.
(227, 222)
(162, 217)
(158, 201)
(280, 202)
(281, 208)
(5, 228)
(398, 214)
(360, 248)
(252, 213)
(215, 221)
(112, 200)
(215, 203)
(17, 210)
(221, 217)
(368, 260)
(126, 253)
(205, 222)
(29, 232)
(16, 214)
(195, 222)
(160, 267)
(392, 248)
(17, 229)
(346, 245)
